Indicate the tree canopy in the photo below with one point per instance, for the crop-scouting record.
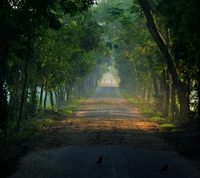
(56, 47)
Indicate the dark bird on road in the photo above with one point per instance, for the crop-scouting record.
(164, 169)
(99, 160)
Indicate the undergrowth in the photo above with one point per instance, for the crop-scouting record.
(148, 110)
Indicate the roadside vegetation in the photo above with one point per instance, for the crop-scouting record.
(52, 52)
(184, 137)
(14, 145)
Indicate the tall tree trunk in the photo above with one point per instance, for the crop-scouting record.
(3, 92)
(153, 77)
(166, 53)
(68, 94)
(144, 94)
(166, 79)
(174, 108)
(56, 96)
(16, 101)
(45, 99)
(35, 100)
(41, 95)
(155, 84)
(167, 95)
(23, 92)
(162, 82)
(51, 98)
(25, 105)
(62, 96)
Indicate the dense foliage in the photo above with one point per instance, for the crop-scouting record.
(46, 48)
(157, 55)
(49, 47)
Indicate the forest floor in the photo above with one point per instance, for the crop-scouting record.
(100, 122)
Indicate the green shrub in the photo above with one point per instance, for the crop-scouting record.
(68, 112)
(167, 126)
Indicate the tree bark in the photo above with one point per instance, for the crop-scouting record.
(153, 77)
(68, 94)
(23, 92)
(3, 92)
(174, 108)
(144, 94)
(25, 105)
(45, 99)
(51, 98)
(167, 95)
(16, 101)
(41, 95)
(166, 53)
(56, 96)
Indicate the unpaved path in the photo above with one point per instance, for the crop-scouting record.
(104, 119)
(107, 119)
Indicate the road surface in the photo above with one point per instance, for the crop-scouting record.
(105, 117)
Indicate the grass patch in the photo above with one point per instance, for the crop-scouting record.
(147, 108)
(69, 107)
(68, 112)
(167, 126)
(157, 119)
(131, 100)
(148, 112)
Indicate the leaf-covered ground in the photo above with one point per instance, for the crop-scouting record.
(100, 121)
(137, 131)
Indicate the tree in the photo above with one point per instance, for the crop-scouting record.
(17, 38)
(180, 86)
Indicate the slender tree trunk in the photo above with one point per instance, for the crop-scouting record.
(162, 82)
(3, 92)
(41, 95)
(34, 100)
(12, 105)
(16, 101)
(166, 52)
(45, 99)
(56, 96)
(23, 92)
(144, 94)
(155, 85)
(154, 78)
(167, 95)
(51, 98)
(68, 94)
(166, 79)
(62, 96)
(25, 105)
(174, 108)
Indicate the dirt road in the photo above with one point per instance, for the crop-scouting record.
(107, 118)
(104, 124)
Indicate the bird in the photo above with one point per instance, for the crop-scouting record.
(164, 169)
(99, 160)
